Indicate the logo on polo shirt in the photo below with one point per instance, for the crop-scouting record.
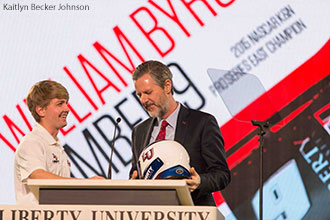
(55, 158)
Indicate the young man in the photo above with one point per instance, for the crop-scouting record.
(197, 131)
(40, 154)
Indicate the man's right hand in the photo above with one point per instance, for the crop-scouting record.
(134, 175)
(96, 178)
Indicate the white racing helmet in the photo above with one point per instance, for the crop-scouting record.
(164, 159)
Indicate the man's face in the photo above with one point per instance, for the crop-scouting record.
(153, 98)
(54, 115)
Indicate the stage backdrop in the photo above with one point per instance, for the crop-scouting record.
(92, 47)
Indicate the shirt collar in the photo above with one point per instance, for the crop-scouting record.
(172, 119)
(44, 134)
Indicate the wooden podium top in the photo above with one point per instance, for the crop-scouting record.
(178, 185)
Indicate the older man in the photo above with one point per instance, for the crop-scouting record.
(197, 131)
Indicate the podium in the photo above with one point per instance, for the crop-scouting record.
(110, 200)
(110, 192)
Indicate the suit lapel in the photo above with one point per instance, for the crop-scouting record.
(149, 128)
(182, 125)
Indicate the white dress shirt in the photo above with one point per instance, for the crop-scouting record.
(170, 128)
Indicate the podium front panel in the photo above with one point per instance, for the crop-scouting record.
(92, 196)
(111, 192)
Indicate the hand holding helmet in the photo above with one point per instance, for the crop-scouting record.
(195, 180)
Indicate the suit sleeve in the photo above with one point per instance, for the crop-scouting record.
(134, 154)
(217, 175)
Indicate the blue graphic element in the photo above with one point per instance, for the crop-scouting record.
(153, 168)
(176, 172)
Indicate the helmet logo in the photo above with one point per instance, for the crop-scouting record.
(148, 155)
(153, 168)
(179, 171)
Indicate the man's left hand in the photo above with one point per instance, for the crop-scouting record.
(195, 180)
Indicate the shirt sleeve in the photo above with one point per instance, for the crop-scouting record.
(30, 156)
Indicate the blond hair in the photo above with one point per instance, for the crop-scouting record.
(42, 93)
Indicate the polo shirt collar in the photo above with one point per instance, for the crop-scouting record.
(45, 135)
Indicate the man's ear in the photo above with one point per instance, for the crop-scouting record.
(167, 86)
(40, 111)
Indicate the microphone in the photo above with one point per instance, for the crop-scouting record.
(260, 123)
(113, 147)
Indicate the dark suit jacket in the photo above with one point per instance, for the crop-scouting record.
(199, 133)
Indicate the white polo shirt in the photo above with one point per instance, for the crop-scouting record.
(37, 150)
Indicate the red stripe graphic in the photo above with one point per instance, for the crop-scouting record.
(301, 79)
(275, 128)
(309, 73)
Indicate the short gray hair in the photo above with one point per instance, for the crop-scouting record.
(158, 71)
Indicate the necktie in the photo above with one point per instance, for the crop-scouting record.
(162, 133)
